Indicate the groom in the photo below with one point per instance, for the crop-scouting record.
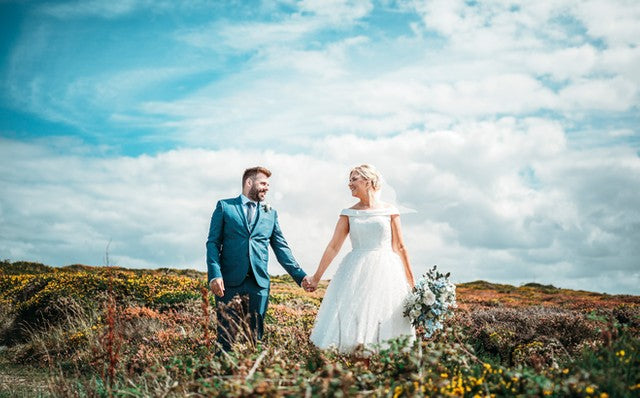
(241, 230)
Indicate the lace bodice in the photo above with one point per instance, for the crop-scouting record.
(370, 229)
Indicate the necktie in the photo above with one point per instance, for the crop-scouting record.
(250, 206)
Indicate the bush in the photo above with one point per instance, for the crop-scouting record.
(544, 333)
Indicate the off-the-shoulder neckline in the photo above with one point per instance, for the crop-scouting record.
(384, 210)
(376, 209)
(386, 206)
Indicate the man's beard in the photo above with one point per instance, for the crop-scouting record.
(253, 194)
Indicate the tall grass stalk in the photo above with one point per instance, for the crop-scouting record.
(111, 340)
(205, 316)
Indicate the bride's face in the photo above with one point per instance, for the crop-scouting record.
(358, 185)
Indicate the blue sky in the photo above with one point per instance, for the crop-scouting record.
(90, 69)
(511, 127)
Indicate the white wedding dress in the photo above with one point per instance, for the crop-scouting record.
(363, 303)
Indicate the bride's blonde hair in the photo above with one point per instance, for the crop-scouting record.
(369, 173)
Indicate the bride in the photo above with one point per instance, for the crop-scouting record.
(363, 303)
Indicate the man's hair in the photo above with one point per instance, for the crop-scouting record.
(253, 172)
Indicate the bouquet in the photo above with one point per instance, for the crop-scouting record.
(431, 302)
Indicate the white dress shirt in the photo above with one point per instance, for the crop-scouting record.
(246, 200)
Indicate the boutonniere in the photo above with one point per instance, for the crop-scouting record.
(266, 207)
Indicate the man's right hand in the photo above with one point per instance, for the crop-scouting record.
(217, 286)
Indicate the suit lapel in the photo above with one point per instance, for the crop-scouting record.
(241, 213)
(257, 217)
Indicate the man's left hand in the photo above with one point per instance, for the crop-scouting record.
(308, 284)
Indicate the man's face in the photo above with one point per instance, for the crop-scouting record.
(259, 187)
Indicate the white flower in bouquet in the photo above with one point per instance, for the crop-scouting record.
(428, 298)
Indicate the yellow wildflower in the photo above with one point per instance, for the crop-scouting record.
(589, 390)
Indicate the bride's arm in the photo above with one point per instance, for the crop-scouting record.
(339, 235)
(398, 246)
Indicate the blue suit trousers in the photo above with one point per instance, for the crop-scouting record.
(243, 319)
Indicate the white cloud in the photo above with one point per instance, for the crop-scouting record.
(249, 35)
(571, 214)
(561, 64)
(336, 103)
(546, 37)
(337, 11)
(623, 61)
(615, 94)
(113, 9)
(289, 30)
(99, 8)
(615, 22)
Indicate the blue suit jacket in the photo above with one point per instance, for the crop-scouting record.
(233, 247)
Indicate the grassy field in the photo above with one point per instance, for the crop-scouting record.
(96, 331)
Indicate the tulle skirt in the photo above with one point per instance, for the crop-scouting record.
(363, 303)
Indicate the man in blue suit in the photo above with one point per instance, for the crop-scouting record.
(241, 230)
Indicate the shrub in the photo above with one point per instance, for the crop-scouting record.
(498, 332)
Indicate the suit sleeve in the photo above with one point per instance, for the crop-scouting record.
(214, 244)
(283, 253)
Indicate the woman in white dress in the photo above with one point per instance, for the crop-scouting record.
(363, 303)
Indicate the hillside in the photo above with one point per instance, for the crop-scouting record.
(81, 330)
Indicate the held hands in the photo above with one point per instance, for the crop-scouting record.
(310, 283)
(217, 286)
